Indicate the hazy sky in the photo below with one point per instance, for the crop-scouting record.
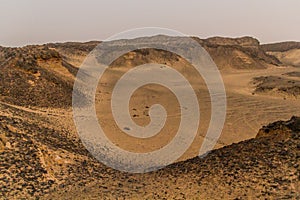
(35, 21)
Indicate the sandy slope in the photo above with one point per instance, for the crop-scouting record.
(260, 168)
(246, 112)
(290, 57)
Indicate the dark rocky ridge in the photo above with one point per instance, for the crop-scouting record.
(293, 74)
(277, 86)
(280, 128)
(75, 46)
(281, 46)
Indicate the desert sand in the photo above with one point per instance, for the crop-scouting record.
(42, 156)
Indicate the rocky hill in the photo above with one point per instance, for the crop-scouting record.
(287, 52)
(35, 76)
(238, 53)
(43, 75)
(228, 53)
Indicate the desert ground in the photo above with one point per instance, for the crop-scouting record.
(43, 157)
(247, 108)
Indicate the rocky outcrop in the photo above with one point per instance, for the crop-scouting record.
(238, 53)
(243, 41)
(35, 76)
(281, 46)
(277, 86)
(287, 52)
(281, 128)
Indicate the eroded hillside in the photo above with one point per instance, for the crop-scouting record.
(287, 52)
